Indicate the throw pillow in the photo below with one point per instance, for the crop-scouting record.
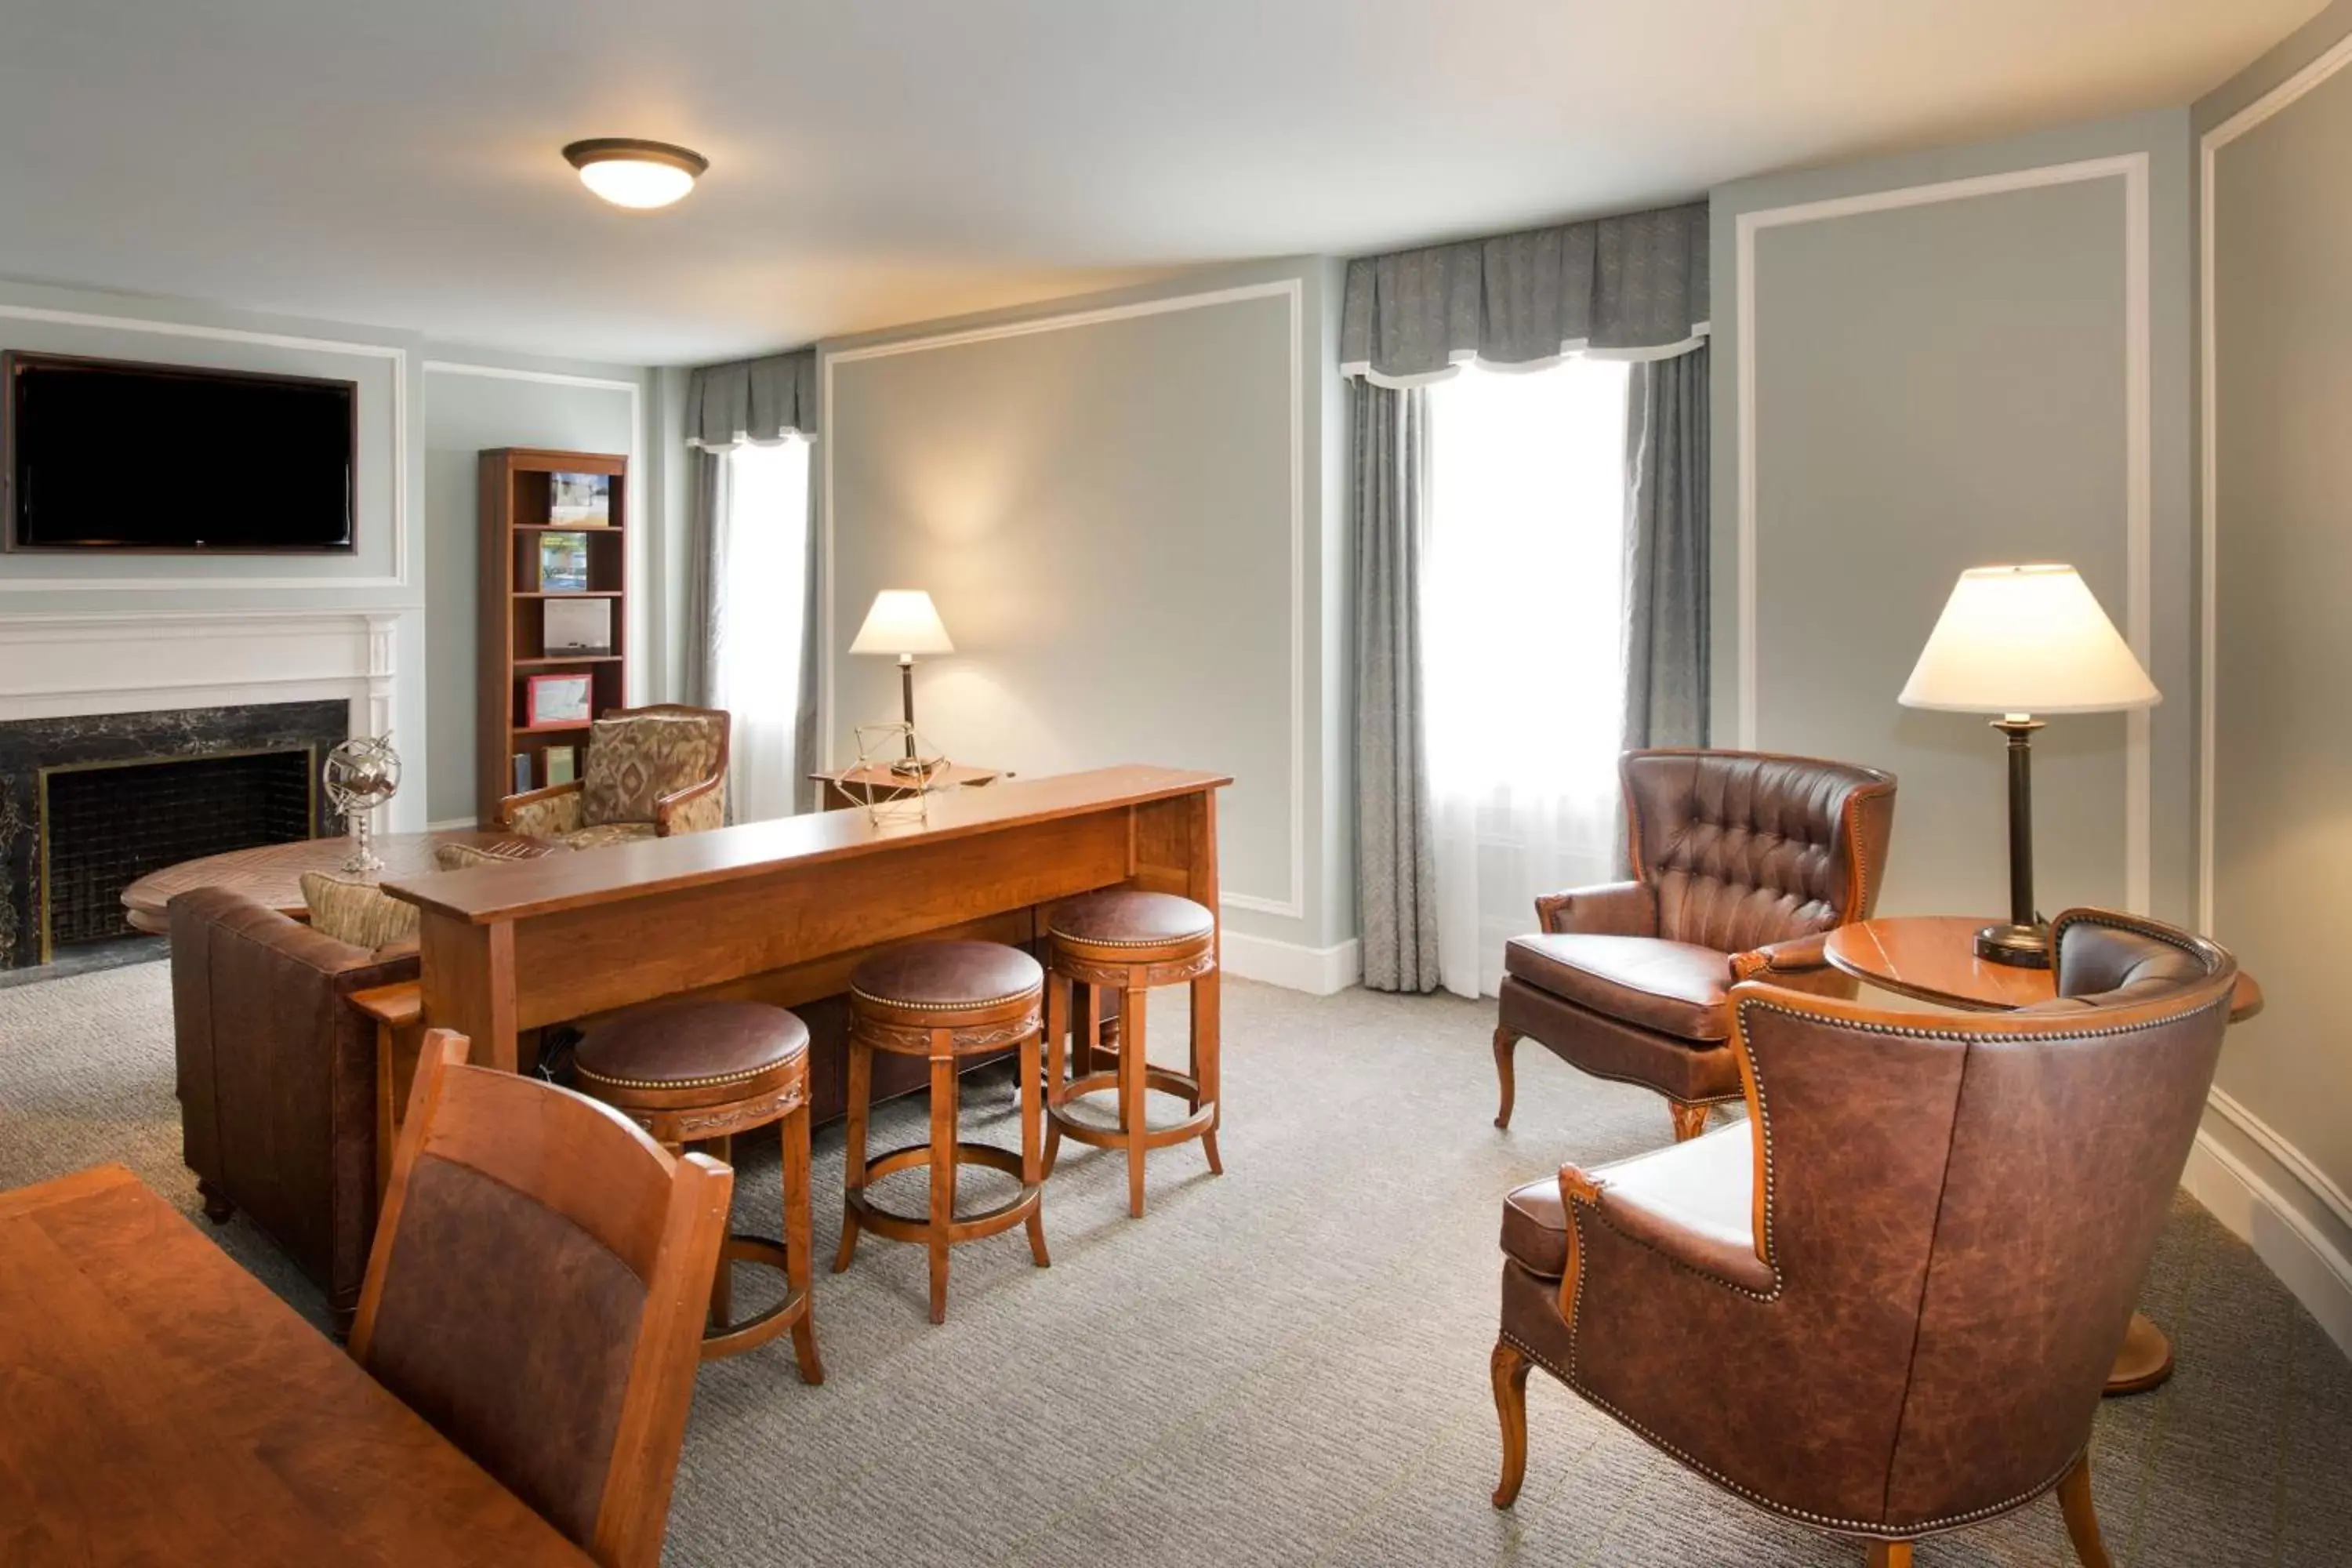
(358, 912)
(635, 759)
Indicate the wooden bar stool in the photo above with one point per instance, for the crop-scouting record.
(693, 1075)
(945, 1001)
(1128, 941)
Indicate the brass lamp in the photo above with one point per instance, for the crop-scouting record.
(904, 622)
(2016, 641)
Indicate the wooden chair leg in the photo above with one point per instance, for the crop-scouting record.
(853, 1153)
(1207, 1035)
(1890, 1555)
(1510, 1369)
(1690, 1121)
(799, 1242)
(1505, 1075)
(2082, 1518)
(1032, 1169)
(1131, 1120)
(943, 1176)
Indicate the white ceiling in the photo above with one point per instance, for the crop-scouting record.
(395, 161)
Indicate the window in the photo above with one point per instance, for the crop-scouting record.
(761, 598)
(1522, 647)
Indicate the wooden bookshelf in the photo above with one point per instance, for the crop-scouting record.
(515, 496)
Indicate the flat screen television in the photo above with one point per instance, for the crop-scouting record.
(106, 456)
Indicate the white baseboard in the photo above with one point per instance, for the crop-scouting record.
(2245, 1194)
(1319, 971)
(452, 825)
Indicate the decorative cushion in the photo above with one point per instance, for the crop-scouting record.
(1704, 1188)
(607, 833)
(1674, 987)
(356, 911)
(635, 759)
(506, 852)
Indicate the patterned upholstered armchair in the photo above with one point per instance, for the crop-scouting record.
(651, 772)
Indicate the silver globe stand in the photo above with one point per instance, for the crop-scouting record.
(362, 858)
(360, 776)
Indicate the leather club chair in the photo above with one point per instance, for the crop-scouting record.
(648, 772)
(1886, 1306)
(1743, 863)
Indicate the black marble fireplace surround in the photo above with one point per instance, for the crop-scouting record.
(29, 746)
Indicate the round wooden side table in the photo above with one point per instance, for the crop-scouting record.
(271, 874)
(1932, 958)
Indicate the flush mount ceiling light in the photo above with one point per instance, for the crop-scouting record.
(629, 172)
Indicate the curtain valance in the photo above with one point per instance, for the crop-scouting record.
(760, 400)
(1622, 287)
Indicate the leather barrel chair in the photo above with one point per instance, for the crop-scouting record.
(1743, 864)
(1886, 1306)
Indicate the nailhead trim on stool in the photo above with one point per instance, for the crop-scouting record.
(1129, 941)
(905, 1001)
(698, 1073)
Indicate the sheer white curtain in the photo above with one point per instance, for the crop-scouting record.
(763, 512)
(1523, 596)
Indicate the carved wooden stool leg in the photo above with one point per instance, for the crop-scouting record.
(853, 1154)
(1032, 1164)
(1890, 1555)
(943, 1176)
(1690, 1121)
(722, 1283)
(799, 1242)
(1510, 1369)
(2082, 1518)
(1131, 1122)
(1057, 1092)
(1206, 1036)
(1505, 1074)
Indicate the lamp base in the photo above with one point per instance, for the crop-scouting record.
(2020, 947)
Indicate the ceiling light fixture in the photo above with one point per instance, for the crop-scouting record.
(630, 173)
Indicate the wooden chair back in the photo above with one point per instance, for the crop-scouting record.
(536, 1292)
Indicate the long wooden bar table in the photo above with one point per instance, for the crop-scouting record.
(784, 910)
(157, 1404)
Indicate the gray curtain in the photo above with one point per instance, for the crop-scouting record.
(1667, 552)
(761, 400)
(1396, 871)
(1633, 287)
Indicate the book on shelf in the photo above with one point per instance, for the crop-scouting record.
(522, 772)
(561, 761)
(562, 563)
(577, 626)
(580, 500)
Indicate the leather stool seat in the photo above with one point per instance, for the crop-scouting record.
(1124, 941)
(946, 1002)
(698, 1073)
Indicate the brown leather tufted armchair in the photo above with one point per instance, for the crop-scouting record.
(1887, 1306)
(1743, 862)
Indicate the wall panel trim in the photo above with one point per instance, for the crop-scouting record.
(2132, 168)
(1292, 905)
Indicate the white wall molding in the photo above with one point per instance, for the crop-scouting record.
(398, 357)
(1319, 971)
(2131, 169)
(2311, 1265)
(638, 543)
(1293, 904)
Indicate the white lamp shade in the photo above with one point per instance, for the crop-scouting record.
(2026, 639)
(902, 621)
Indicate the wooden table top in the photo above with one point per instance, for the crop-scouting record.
(163, 1407)
(1932, 958)
(271, 874)
(648, 865)
(878, 775)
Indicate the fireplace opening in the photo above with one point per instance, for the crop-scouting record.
(105, 824)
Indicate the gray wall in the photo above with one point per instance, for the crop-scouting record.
(1100, 500)
(475, 399)
(2280, 326)
(1944, 378)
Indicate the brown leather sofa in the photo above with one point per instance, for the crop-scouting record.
(1888, 1305)
(1743, 863)
(276, 1078)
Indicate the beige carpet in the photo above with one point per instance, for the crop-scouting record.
(1284, 1365)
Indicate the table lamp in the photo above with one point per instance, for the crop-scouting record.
(2016, 641)
(904, 622)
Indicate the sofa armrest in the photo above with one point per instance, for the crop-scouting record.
(543, 813)
(1610, 908)
(697, 808)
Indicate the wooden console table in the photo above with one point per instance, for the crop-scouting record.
(165, 1407)
(782, 910)
(1931, 958)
